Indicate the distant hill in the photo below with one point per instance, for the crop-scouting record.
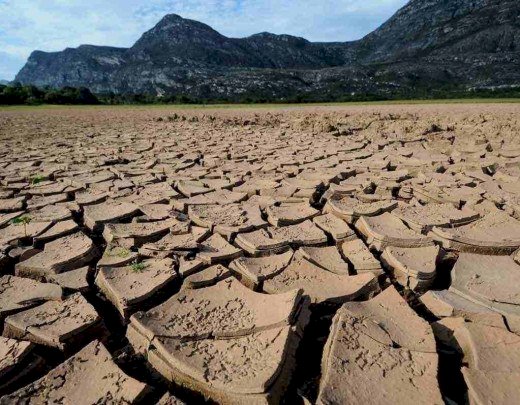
(427, 46)
(4, 82)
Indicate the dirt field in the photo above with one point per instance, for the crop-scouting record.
(340, 254)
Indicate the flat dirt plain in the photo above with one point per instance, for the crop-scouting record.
(330, 255)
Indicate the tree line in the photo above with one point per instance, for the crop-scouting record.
(17, 94)
(31, 95)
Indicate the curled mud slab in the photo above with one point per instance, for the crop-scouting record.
(360, 257)
(491, 372)
(415, 267)
(18, 361)
(282, 255)
(231, 343)
(59, 324)
(90, 376)
(127, 286)
(495, 234)
(17, 293)
(252, 271)
(386, 230)
(95, 216)
(380, 340)
(327, 258)
(488, 281)
(67, 253)
(322, 286)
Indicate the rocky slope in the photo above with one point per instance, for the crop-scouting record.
(428, 44)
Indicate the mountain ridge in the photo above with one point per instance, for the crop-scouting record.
(427, 44)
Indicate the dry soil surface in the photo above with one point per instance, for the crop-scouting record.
(329, 255)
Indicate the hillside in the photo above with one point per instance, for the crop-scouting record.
(428, 45)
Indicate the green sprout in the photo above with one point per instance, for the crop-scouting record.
(138, 267)
(37, 179)
(120, 252)
(23, 220)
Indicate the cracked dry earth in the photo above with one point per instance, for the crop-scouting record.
(325, 255)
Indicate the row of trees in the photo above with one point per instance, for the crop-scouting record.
(30, 95)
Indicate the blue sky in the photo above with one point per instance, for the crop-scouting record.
(52, 25)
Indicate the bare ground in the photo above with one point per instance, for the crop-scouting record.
(244, 255)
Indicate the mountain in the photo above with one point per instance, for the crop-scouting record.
(445, 28)
(4, 82)
(88, 66)
(428, 45)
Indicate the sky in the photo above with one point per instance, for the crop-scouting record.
(53, 25)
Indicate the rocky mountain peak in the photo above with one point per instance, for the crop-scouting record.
(173, 27)
(171, 18)
(276, 37)
(423, 27)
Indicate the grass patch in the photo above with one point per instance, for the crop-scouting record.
(139, 267)
(37, 179)
(120, 252)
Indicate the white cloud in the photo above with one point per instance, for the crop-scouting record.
(53, 25)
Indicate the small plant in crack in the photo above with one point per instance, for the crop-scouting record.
(139, 267)
(23, 220)
(37, 179)
(120, 252)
